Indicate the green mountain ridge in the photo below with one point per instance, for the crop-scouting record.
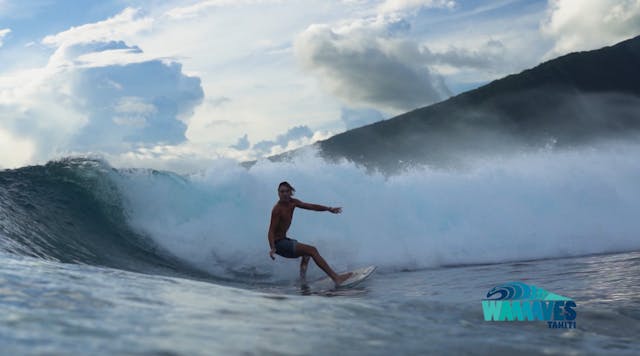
(573, 100)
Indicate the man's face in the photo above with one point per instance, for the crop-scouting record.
(284, 193)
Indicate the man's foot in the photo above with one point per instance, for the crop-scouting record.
(341, 278)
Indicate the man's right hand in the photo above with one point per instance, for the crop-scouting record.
(272, 253)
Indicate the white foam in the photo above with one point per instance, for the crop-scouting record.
(524, 206)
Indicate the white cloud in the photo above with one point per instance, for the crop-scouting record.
(391, 6)
(191, 11)
(125, 24)
(117, 28)
(3, 33)
(294, 138)
(113, 80)
(36, 106)
(14, 152)
(97, 94)
(365, 63)
(183, 158)
(146, 109)
(112, 57)
(583, 25)
(293, 134)
(39, 123)
(254, 67)
(487, 56)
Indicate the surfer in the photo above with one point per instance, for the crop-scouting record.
(281, 217)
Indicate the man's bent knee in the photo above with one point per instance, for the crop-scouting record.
(306, 251)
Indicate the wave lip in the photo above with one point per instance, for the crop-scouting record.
(539, 205)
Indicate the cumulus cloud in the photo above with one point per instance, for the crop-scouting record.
(118, 85)
(98, 94)
(283, 141)
(3, 33)
(366, 63)
(583, 25)
(144, 108)
(487, 56)
(126, 23)
(103, 38)
(14, 151)
(36, 106)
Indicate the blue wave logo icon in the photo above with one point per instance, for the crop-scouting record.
(517, 301)
(521, 291)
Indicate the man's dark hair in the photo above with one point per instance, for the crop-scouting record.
(286, 184)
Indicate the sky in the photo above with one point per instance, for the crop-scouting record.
(177, 84)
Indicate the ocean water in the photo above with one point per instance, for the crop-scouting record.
(99, 260)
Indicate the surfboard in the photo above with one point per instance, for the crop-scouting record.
(358, 276)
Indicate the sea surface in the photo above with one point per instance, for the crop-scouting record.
(98, 260)
(57, 308)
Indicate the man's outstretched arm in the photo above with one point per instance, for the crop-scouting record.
(316, 207)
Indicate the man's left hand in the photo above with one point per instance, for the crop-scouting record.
(335, 210)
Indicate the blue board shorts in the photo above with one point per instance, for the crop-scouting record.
(286, 247)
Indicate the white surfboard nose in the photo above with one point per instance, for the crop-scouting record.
(358, 276)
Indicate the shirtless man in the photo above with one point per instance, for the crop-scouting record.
(281, 217)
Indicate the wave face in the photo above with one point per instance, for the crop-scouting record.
(517, 207)
(72, 211)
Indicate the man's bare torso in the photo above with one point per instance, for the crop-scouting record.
(284, 213)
